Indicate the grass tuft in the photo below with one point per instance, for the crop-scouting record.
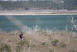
(51, 50)
(18, 49)
(63, 45)
(5, 48)
(55, 42)
(23, 43)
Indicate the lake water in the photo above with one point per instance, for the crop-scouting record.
(60, 22)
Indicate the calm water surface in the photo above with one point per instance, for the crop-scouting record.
(43, 21)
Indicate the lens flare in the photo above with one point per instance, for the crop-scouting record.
(18, 23)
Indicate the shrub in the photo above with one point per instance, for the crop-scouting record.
(55, 42)
(62, 45)
(44, 44)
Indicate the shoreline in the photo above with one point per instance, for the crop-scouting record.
(38, 12)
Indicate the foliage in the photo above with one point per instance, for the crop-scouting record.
(43, 5)
(55, 42)
(62, 45)
(51, 50)
(43, 32)
(23, 42)
(44, 44)
(5, 48)
(18, 49)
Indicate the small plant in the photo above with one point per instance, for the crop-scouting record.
(18, 49)
(62, 45)
(5, 48)
(44, 44)
(55, 42)
(23, 42)
(43, 32)
(51, 50)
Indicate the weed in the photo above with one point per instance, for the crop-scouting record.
(62, 45)
(51, 50)
(23, 42)
(18, 49)
(5, 48)
(55, 42)
(44, 44)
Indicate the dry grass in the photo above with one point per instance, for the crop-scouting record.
(39, 41)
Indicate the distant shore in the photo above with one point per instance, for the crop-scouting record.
(49, 12)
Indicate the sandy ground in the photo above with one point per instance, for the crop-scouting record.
(41, 42)
(38, 12)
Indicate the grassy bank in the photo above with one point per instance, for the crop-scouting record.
(39, 41)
